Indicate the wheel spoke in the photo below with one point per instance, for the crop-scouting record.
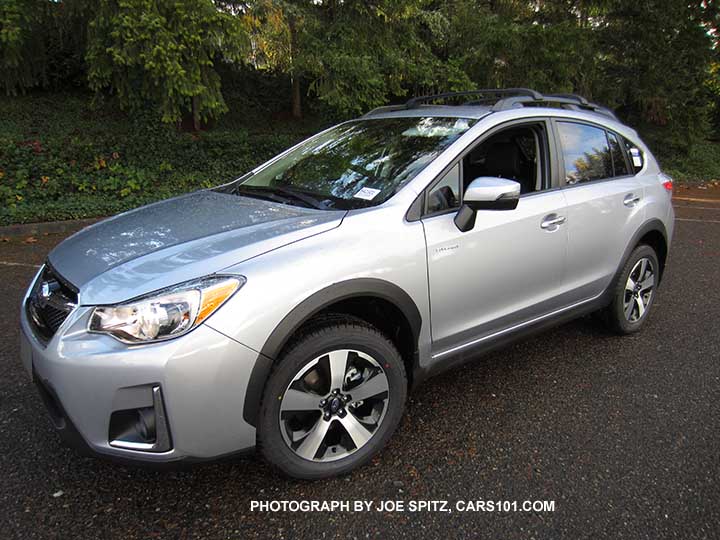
(641, 306)
(643, 268)
(312, 441)
(297, 400)
(630, 285)
(647, 283)
(338, 366)
(358, 433)
(371, 387)
(629, 308)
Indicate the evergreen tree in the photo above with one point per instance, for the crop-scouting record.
(164, 53)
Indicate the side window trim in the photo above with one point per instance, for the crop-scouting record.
(623, 152)
(552, 164)
(625, 155)
(612, 157)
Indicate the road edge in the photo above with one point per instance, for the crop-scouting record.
(46, 227)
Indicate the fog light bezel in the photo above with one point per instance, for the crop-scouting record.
(161, 442)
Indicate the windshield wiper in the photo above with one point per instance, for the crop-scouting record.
(301, 196)
(282, 195)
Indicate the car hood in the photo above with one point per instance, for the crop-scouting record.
(178, 240)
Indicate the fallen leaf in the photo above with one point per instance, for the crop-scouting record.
(30, 240)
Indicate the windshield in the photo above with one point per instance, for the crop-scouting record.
(356, 164)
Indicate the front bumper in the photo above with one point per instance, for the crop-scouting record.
(84, 378)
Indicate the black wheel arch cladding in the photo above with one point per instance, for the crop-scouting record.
(651, 226)
(303, 312)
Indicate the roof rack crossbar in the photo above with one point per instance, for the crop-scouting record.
(496, 92)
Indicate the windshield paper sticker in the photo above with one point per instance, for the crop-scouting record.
(366, 193)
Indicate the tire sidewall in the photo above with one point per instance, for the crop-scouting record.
(355, 337)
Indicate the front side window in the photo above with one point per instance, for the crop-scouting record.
(357, 164)
(586, 153)
(517, 153)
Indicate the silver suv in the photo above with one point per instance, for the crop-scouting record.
(293, 309)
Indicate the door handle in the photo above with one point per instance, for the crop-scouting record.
(631, 200)
(552, 222)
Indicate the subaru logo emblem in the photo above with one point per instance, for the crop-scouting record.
(45, 290)
(335, 405)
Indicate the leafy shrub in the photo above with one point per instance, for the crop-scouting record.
(62, 157)
(700, 164)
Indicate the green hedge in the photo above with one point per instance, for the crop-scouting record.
(701, 164)
(62, 158)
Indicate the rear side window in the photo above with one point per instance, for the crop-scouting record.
(586, 153)
(620, 164)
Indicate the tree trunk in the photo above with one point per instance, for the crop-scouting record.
(195, 114)
(296, 100)
(295, 77)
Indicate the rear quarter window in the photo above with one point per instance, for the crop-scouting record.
(637, 158)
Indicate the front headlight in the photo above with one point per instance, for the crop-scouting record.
(165, 314)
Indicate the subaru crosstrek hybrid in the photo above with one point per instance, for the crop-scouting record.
(293, 308)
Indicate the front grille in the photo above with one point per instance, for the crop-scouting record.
(50, 302)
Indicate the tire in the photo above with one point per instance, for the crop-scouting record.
(304, 429)
(629, 309)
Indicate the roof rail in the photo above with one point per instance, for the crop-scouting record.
(570, 96)
(502, 99)
(384, 108)
(494, 92)
(572, 101)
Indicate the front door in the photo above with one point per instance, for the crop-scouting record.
(508, 269)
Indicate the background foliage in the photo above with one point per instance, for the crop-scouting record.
(113, 103)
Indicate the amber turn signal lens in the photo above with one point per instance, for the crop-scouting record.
(214, 296)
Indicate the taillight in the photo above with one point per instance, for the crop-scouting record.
(668, 184)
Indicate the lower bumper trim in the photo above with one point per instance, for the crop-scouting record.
(60, 420)
(72, 438)
(162, 441)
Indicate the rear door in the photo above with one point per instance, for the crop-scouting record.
(603, 204)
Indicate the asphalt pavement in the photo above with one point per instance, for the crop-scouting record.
(622, 433)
